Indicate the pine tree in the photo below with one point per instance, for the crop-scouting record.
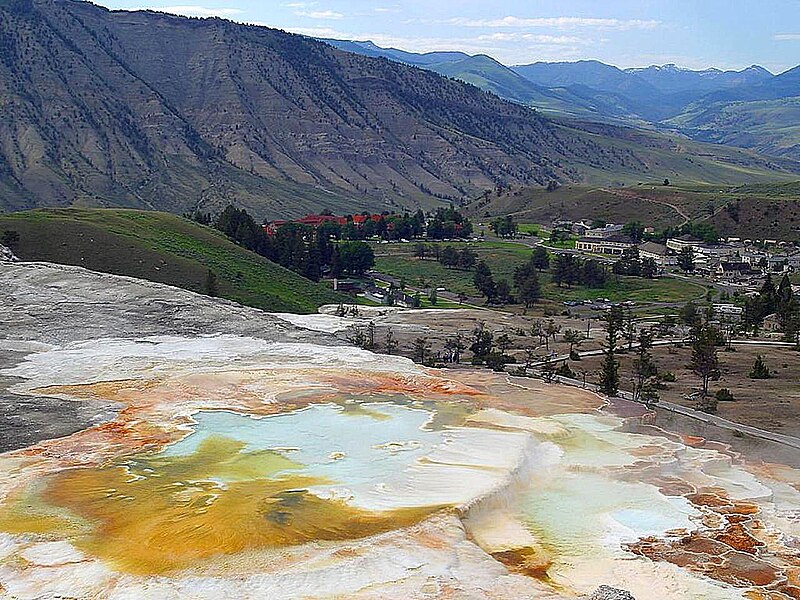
(760, 369)
(609, 370)
(211, 287)
(484, 282)
(420, 350)
(686, 259)
(645, 371)
(389, 343)
(705, 362)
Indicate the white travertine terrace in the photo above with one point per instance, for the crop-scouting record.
(568, 490)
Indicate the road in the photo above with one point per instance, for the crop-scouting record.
(737, 428)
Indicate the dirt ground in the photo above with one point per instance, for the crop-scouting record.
(438, 325)
(772, 404)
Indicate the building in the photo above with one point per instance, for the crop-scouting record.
(377, 294)
(728, 311)
(346, 285)
(659, 253)
(606, 232)
(685, 241)
(716, 251)
(359, 220)
(615, 245)
(310, 220)
(404, 300)
(735, 271)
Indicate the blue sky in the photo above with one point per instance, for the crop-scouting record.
(627, 33)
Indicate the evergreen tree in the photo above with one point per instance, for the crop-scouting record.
(484, 282)
(540, 259)
(760, 369)
(389, 343)
(467, 259)
(573, 337)
(503, 292)
(529, 290)
(649, 268)
(629, 263)
(482, 342)
(645, 371)
(420, 350)
(565, 269)
(211, 287)
(9, 238)
(705, 362)
(593, 274)
(455, 347)
(609, 370)
(686, 259)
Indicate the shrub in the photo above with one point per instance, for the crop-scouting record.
(565, 371)
(760, 369)
(724, 395)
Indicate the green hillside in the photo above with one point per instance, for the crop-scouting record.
(163, 248)
(759, 210)
(767, 126)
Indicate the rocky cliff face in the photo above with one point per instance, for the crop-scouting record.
(154, 110)
(149, 110)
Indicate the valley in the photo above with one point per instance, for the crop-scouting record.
(500, 304)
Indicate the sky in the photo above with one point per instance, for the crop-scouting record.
(697, 34)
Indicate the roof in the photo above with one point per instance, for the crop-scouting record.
(653, 248)
(614, 239)
(737, 266)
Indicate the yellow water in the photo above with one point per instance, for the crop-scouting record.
(160, 513)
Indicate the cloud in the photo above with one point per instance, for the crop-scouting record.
(317, 32)
(320, 14)
(535, 38)
(786, 37)
(193, 11)
(386, 9)
(530, 49)
(558, 23)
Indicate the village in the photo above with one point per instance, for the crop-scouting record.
(734, 267)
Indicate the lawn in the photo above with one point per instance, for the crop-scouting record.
(502, 258)
(529, 228)
(399, 261)
(635, 289)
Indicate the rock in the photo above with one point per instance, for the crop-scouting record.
(605, 592)
(6, 255)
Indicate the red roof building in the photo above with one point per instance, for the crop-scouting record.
(310, 220)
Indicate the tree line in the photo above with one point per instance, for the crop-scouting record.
(306, 250)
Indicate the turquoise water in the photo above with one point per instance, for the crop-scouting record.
(358, 447)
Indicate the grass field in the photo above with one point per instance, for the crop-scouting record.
(164, 248)
(398, 260)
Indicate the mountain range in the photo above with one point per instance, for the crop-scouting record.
(150, 110)
(749, 108)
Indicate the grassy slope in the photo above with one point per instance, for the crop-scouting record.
(768, 126)
(655, 157)
(163, 248)
(502, 258)
(769, 210)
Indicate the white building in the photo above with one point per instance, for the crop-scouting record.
(659, 253)
(606, 232)
(614, 245)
